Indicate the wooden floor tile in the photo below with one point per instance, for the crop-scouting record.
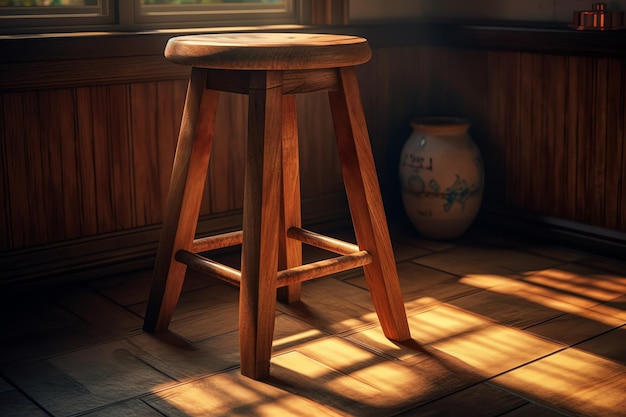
(533, 410)
(15, 404)
(463, 260)
(181, 360)
(422, 286)
(358, 382)
(573, 382)
(204, 312)
(587, 286)
(509, 309)
(614, 308)
(86, 379)
(613, 265)
(570, 329)
(491, 350)
(132, 408)
(332, 305)
(404, 252)
(478, 400)
(611, 345)
(439, 323)
(231, 394)
(63, 320)
(134, 288)
(99, 312)
(463, 340)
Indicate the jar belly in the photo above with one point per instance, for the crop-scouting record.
(442, 177)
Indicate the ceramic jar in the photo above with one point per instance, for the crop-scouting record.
(441, 176)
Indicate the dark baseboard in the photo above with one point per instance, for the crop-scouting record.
(553, 230)
(130, 250)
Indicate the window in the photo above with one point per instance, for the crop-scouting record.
(35, 16)
(216, 12)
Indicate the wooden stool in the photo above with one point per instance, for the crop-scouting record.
(271, 68)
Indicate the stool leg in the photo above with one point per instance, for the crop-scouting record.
(183, 200)
(290, 250)
(368, 215)
(261, 213)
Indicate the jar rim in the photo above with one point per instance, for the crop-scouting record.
(440, 121)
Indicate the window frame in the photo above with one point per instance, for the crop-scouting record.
(126, 15)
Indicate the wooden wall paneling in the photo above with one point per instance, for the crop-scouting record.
(20, 118)
(510, 125)
(584, 140)
(521, 181)
(171, 99)
(86, 154)
(573, 95)
(112, 158)
(502, 152)
(540, 185)
(15, 155)
(496, 170)
(555, 84)
(615, 143)
(400, 97)
(145, 124)
(57, 136)
(320, 171)
(598, 146)
(224, 189)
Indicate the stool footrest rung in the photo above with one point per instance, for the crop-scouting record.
(285, 277)
(220, 241)
(209, 267)
(323, 242)
(322, 268)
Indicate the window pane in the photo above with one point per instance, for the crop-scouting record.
(218, 12)
(26, 7)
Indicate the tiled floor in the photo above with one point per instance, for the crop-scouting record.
(500, 328)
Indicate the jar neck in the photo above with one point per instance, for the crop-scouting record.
(440, 125)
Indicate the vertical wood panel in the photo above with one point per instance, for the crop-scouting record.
(571, 136)
(319, 160)
(147, 173)
(224, 190)
(505, 82)
(58, 138)
(85, 148)
(584, 142)
(598, 145)
(555, 67)
(615, 143)
(114, 191)
(170, 101)
(399, 97)
(17, 204)
(523, 175)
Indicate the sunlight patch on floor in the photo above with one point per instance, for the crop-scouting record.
(577, 302)
(572, 380)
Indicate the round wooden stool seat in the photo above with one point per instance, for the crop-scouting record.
(268, 51)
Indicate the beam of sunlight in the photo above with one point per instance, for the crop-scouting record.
(552, 298)
(496, 348)
(572, 381)
(297, 338)
(598, 287)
